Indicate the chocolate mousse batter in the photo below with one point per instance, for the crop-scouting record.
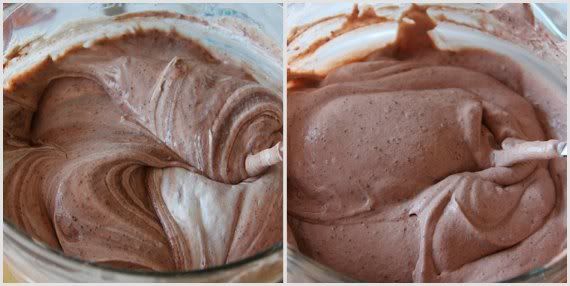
(131, 151)
(418, 164)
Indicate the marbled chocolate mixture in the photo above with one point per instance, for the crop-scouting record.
(131, 152)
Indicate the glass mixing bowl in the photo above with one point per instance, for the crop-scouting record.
(367, 38)
(33, 261)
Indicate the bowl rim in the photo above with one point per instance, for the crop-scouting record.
(23, 240)
(555, 265)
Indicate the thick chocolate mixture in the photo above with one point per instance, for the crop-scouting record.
(131, 152)
(417, 164)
